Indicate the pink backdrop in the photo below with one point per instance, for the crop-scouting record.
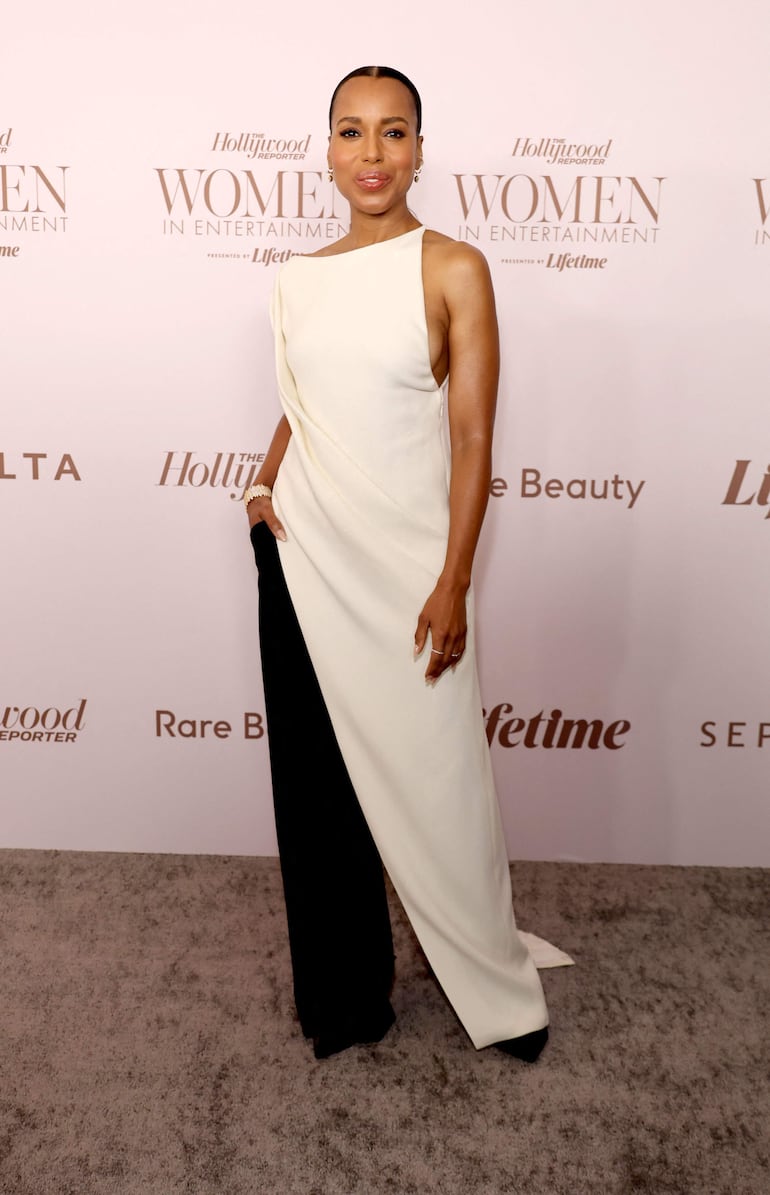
(156, 164)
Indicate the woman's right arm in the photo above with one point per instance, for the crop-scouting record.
(260, 510)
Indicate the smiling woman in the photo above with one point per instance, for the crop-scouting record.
(364, 525)
(375, 145)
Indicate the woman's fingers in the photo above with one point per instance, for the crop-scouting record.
(445, 653)
(421, 634)
(436, 665)
(442, 627)
(457, 653)
(260, 510)
(436, 659)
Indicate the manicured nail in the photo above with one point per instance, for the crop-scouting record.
(281, 535)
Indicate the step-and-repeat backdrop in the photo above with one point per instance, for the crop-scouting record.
(157, 164)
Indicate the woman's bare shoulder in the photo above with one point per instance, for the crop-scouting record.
(453, 259)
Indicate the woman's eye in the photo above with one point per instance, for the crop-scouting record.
(398, 134)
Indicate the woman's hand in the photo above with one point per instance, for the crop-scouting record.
(445, 617)
(260, 510)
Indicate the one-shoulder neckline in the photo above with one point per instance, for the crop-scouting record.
(362, 248)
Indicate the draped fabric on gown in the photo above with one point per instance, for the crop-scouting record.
(363, 495)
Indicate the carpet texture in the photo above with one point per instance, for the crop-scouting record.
(148, 1043)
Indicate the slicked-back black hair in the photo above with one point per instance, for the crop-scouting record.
(381, 72)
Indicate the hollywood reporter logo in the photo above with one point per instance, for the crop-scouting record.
(35, 724)
(557, 151)
(257, 145)
(552, 731)
(222, 470)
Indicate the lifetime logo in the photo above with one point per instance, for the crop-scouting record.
(761, 496)
(270, 257)
(34, 725)
(553, 730)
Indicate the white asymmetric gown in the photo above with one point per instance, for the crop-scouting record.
(363, 495)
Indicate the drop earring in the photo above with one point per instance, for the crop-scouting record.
(417, 173)
(330, 173)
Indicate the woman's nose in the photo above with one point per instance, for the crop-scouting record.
(371, 149)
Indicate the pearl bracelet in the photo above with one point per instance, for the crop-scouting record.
(256, 491)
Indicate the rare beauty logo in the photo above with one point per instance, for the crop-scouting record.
(33, 195)
(559, 205)
(616, 488)
(535, 484)
(250, 197)
(232, 472)
(42, 723)
(169, 724)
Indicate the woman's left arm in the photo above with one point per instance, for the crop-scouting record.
(474, 366)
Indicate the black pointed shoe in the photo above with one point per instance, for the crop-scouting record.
(528, 1047)
(360, 1033)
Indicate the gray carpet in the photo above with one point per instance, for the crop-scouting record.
(149, 1044)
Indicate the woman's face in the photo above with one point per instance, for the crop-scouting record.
(374, 148)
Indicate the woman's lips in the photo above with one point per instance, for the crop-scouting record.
(372, 180)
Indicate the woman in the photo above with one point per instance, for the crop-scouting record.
(364, 546)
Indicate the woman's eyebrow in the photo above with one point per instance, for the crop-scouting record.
(384, 120)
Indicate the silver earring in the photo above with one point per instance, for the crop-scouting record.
(417, 174)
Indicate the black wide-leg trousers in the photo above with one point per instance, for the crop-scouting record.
(336, 904)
